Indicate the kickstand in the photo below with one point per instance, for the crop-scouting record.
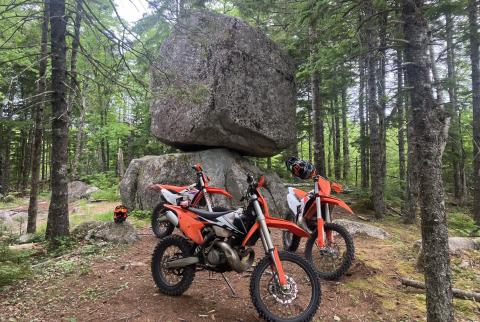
(229, 285)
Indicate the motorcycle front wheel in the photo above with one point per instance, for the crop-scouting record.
(333, 260)
(297, 302)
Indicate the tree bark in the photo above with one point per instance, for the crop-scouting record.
(336, 139)
(400, 118)
(5, 148)
(38, 137)
(345, 143)
(475, 60)
(456, 141)
(363, 129)
(382, 96)
(79, 136)
(57, 223)
(429, 122)
(317, 113)
(376, 158)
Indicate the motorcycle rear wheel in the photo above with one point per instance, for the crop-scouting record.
(161, 229)
(172, 281)
(289, 240)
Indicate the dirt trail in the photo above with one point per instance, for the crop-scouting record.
(119, 287)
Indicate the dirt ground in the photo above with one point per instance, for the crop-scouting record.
(117, 286)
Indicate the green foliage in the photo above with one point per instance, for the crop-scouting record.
(110, 194)
(140, 214)
(461, 224)
(13, 265)
(102, 180)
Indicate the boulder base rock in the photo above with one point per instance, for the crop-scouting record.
(79, 189)
(225, 168)
(455, 244)
(221, 83)
(123, 233)
(355, 227)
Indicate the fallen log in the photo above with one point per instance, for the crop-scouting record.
(461, 294)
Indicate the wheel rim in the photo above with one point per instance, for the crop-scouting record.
(289, 302)
(331, 257)
(171, 276)
(162, 225)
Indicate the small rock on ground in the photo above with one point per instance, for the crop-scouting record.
(355, 227)
(123, 233)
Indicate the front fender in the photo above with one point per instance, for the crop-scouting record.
(276, 223)
(337, 202)
(219, 191)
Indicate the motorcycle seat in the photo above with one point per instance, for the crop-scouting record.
(207, 214)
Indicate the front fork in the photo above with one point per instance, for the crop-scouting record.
(321, 223)
(270, 249)
(208, 201)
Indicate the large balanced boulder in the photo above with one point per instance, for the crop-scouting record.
(222, 83)
(225, 168)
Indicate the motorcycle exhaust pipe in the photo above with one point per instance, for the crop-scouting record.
(182, 262)
(171, 217)
(238, 265)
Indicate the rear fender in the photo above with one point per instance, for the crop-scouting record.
(276, 223)
(189, 223)
(219, 191)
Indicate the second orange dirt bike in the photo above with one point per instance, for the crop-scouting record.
(283, 285)
(197, 194)
(329, 247)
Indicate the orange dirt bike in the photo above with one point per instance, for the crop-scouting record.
(197, 194)
(283, 285)
(330, 246)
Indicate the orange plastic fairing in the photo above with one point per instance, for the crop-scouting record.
(324, 186)
(276, 223)
(299, 193)
(219, 191)
(336, 202)
(189, 224)
(337, 187)
(168, 187)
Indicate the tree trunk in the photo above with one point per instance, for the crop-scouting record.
(57, 223)
(363, 129)
(345, 143)
(79, 137)
(317, 114)
(400, 118)
(74, 88)
(376, 158)
(38, 138)
(336, 139)
(475, 60)
(5, 148)
(456, 142)
(382, 97)
(429, 122)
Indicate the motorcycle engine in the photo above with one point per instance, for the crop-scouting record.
(216, 257)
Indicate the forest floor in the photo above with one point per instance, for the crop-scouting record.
(113, 283)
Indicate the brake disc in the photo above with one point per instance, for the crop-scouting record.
(283, 295)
